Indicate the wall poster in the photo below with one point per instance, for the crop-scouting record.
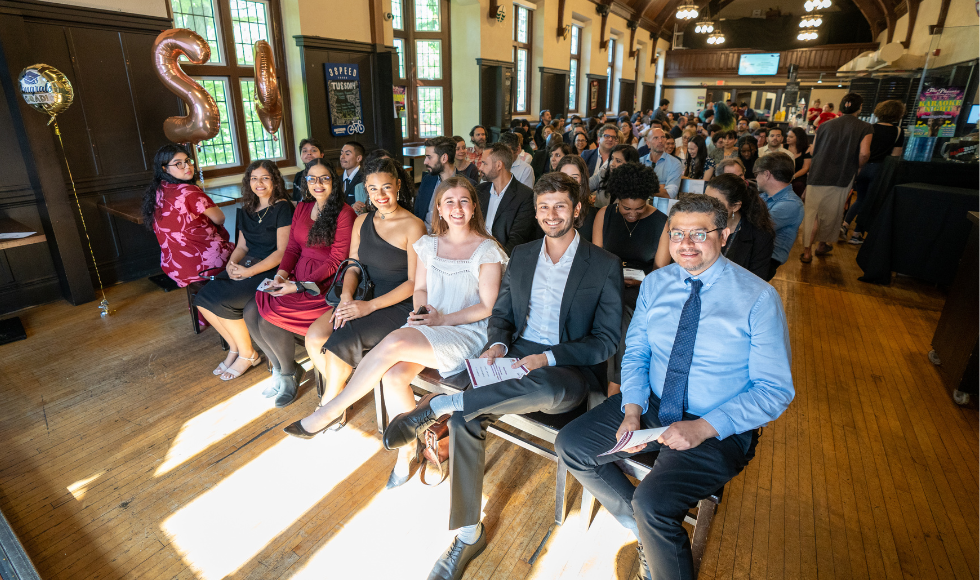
(938, 109)
(344, 99)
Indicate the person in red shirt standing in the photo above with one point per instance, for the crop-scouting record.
(188, 225)
(827, 114)
(813, 113)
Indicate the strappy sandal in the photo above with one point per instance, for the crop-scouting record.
(222, 367)
(254, 361)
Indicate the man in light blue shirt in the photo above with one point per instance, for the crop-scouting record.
(668, 168)
(707, 357)
(773, 174)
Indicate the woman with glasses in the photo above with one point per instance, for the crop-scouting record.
(319, 240)
(263, 231)
(632, 229)
(581, 141)
(188, 225)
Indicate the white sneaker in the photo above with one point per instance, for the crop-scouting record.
(856, 239)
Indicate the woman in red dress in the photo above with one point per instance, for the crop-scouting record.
(319, 241)
(188, 225)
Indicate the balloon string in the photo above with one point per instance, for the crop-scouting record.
(104, 305)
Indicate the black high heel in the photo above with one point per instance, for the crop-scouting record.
(296, 429)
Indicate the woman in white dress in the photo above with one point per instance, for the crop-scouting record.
(457, 278)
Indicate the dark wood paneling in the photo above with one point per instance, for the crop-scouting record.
(627, 95)
(496, 78)
(724, 63)
(599, 87)
(554, 91)
(647, 96)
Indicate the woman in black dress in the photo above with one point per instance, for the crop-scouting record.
(798, 144)
(574, 166)
(632, 229)
(263, 232)
(751, 236)
(382, 243)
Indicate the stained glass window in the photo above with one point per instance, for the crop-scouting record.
(429, 59)
(261, 145)
(249, 20)
(400, 49)
(198, 15)
(430, 111)
(397, 21)
(427, 15)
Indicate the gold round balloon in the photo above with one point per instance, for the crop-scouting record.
(46, 89)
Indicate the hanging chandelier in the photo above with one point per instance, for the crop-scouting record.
(807, 35)
(812, 5)
(716, 38)
(811, 21)
(687, 12)
(704, 27)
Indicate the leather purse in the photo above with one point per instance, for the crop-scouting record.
(435, 452)
(364, 290)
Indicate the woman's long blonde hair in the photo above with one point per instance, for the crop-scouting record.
(477, 225)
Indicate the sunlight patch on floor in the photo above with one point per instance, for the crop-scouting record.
(606, 551)
(213, 425)
(233, 521)
(79, 488)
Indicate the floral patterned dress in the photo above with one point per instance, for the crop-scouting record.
(189, 241)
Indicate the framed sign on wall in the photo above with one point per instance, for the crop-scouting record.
(344, 99)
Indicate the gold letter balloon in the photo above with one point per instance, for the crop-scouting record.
(46, 89)
(268, 101)
(204, 121)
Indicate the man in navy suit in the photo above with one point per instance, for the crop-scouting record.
(440, 161)
(598, 158)
(351, 155)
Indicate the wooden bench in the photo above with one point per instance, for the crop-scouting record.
(637, 467)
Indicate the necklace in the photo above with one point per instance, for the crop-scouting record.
(627, 224)
(261, 217)
(382, 214)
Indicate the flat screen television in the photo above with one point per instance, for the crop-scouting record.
(758, 64)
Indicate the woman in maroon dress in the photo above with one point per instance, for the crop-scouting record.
(319, 241)
(188, 225)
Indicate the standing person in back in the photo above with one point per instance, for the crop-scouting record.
(773, 175)
(507, 203)
(351, 155)
(608, 137)
(440, 165)
(841, 147)
(309, 149)
(798, 145)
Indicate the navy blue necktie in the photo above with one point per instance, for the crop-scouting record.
(674, 396)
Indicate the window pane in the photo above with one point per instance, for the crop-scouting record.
(260, 143)
(396, 15)
(609, 87)
(400, 49)
(427, 15)
(198, 15)
(221, 149)
(572, 84)
(404, 127)
(521, 74)
(428, 55)
(249, 20)
(430, 111)
(522, 14)
(612, 48)
(575, 39)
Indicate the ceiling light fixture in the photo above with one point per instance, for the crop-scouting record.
(812, 5)
(807, 35)
(716, 38)
(811, 21)
(687, 12)
(704, 27)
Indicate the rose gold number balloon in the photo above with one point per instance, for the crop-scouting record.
(204, 121)
(268, 102)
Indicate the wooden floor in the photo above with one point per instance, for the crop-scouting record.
(123, 457)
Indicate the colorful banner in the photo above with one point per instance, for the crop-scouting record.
(344, 99)
(938, 109)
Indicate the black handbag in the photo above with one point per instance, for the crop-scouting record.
(364, 290)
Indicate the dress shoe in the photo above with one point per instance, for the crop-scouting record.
(643, 573)
(273, 389)
(289, 386)
(296, 429)
(453, 563)
(405, 428)
(397, 480)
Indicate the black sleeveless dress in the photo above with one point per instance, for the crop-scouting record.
(636, 246)
(387, 266)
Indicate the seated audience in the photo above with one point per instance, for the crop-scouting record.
(774, 143)
(382, 242)
(544, 120)
(724, 146)
(798, 146)
(440, 165)
(187, 224)
(309, 149)
(546, 159)
(521, 170)
(565, 354)
(457, 279)
(887, 139)
(709, 138)
(463, 163)
(574, 167)
(608, 137)
(632, 229)
(626, 130)
(620, 154)
(742, 127)
(748, 153)
(713, 394)
(522, 148)
(699, 164)
(753, 127)
(761, 138)
(733, 166)
(774, 174)
(319, 240)
(479, 137)
(669, 170)
(507, 203)
(351, 156)
(750, 242)
(679, 127)
(670, 147)
(263, 232)
(407, 191)
(724, 117)
(574, 123)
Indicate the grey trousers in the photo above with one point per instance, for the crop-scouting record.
(551, 390)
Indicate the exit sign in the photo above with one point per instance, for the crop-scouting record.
(719, 83)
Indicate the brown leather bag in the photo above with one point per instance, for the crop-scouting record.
(435, 451)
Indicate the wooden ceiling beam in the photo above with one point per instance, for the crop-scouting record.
(913, 13)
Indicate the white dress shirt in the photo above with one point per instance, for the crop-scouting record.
(547, 289)
(349, 176)
(495, 203)
(523, 172)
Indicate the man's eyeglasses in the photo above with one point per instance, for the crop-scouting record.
(697, 236)
(324, 180)
(610, 136)
(182, 164)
